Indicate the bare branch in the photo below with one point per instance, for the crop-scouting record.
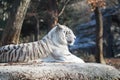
(63, 8)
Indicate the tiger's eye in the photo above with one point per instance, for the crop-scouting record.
(66, 32)
(69, 32)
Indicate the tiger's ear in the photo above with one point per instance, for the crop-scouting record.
(59, 26)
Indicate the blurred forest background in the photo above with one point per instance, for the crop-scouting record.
(42, 15)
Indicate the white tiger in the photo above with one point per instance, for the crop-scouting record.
(52, 48)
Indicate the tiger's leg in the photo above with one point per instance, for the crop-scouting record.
(59, 56)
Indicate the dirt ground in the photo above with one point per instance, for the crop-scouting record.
(110, 61)
(113, 62)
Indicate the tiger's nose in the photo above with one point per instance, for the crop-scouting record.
(69, 41)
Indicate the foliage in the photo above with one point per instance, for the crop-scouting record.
(5, 6)
(76, 12)
(96, 3)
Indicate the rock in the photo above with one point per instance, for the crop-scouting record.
(58, 71)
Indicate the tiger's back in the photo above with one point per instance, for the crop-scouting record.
(24, 52)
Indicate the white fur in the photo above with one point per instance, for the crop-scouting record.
(59, 41)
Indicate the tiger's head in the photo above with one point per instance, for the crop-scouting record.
(63, 35)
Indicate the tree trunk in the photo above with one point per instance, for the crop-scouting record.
(99, 36)
(52, 17)
(37, 29)
(109, 38)
(13, 28)
(119, 1)
(58, 71)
